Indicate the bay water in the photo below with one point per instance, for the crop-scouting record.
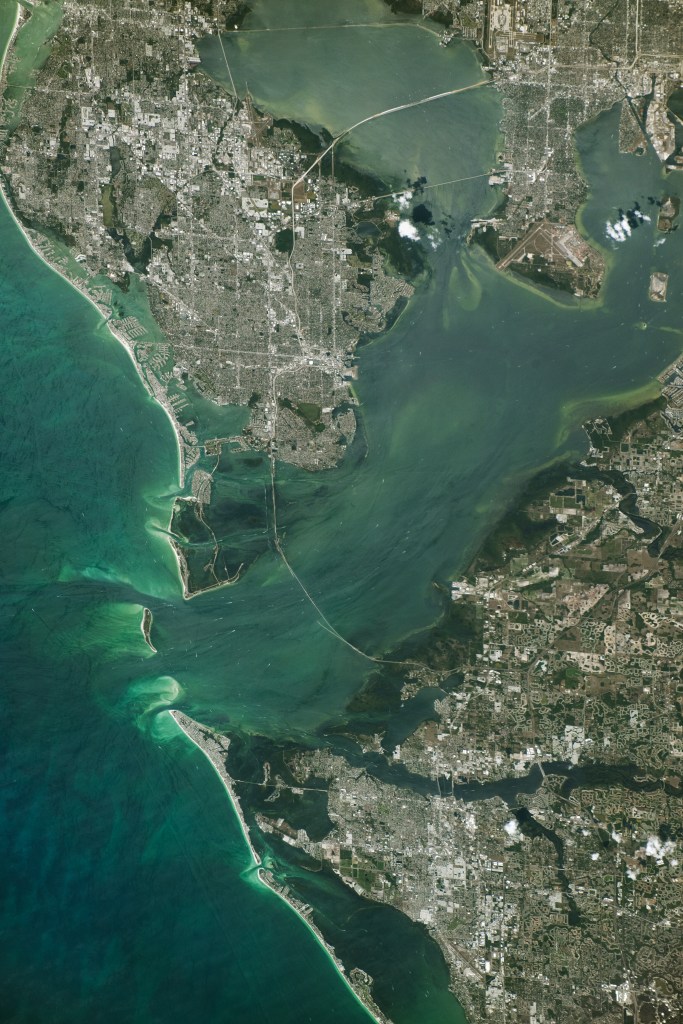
(128, 892)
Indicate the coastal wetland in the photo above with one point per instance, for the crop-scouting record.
(124, 862)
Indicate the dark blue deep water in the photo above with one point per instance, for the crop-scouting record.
(127, 893)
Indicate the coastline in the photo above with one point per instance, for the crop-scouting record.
(146, 627)
(183, 571)
(81, 289)
(159, 399)
(106, 321)
(10, 40)
(574, 414)
(299, 909)
(188, 727)
(212, 745)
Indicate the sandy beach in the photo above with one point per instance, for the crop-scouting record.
(159, 399)
(15, 29)
(367, 1002)
(81, 289)
(145, 628)
(155, 394)
(214, 746)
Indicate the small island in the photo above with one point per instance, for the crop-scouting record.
(146, 627)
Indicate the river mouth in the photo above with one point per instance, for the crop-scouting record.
(460, 402)
(479, 382)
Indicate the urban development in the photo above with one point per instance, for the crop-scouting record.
(532, 822)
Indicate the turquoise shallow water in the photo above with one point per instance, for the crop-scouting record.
(125, 896)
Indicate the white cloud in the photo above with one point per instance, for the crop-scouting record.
(403, 199)
(408, 230)
(511, 827)
(621, 229)
(657, 849)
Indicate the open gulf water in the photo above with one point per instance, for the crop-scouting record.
(128, 892)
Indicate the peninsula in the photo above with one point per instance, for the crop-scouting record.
(558, 64)
(228, 267)
(533, 819)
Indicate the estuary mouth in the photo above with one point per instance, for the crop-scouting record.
(340, 510)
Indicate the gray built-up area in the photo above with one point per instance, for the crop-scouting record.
(559, 63)
(533, 822)
(135, 162)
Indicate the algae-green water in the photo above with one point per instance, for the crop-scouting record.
(128, 892)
